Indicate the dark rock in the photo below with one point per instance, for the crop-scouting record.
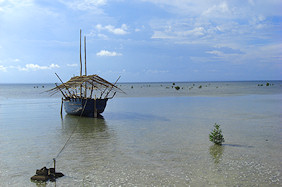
(42, 171)
(51, 171)
(59, 174)
(45, 174)
(40, 178)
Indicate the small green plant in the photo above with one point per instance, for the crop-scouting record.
(216, 135)
(177, 87)
(200, 86)
(267, 84)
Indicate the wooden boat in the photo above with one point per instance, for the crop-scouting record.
(85, 107)
(85, 95)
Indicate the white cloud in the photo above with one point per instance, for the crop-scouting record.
(35, 67)
(118, 31)
(215, 52)
(178, 30)
(85, 4)
(163, 35)
(72, 65)
(108, 53)
(3, 68)
(217, 9)
(270, 53)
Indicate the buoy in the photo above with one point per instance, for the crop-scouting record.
(44, 174)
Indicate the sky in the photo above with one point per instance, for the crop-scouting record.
(141, 40)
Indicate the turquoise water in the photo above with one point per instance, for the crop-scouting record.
(154, 135)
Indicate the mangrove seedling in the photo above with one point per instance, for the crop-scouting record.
(177, 87)
(216, 135)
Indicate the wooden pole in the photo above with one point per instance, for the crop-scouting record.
(80, 61)
(85, 92)
(62, 108)
(54, 165)
(91, 91)
(111, 88)
(60, 90)
(63, 83)
(80, 54)
(85, 55)
(95, 109)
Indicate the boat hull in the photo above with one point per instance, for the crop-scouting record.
(84, 107)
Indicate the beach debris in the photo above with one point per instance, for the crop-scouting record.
(44, 174)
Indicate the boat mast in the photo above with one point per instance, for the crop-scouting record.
(85, 92)
(85, 54)
(80, 61)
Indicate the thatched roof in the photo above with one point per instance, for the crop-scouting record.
(92, 81)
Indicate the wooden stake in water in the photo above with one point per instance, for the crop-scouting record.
(54, 165)
(95, 109)
(62, 107)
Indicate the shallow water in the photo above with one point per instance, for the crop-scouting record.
(154, 140)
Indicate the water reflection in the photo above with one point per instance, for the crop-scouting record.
(84, 124)
(87, 133)
(92, 145)
(216, 151)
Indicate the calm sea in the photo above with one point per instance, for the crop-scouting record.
(154, 135)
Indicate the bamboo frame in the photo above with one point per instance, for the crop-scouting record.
(95, 81)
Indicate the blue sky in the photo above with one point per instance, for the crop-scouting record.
(141, 40)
